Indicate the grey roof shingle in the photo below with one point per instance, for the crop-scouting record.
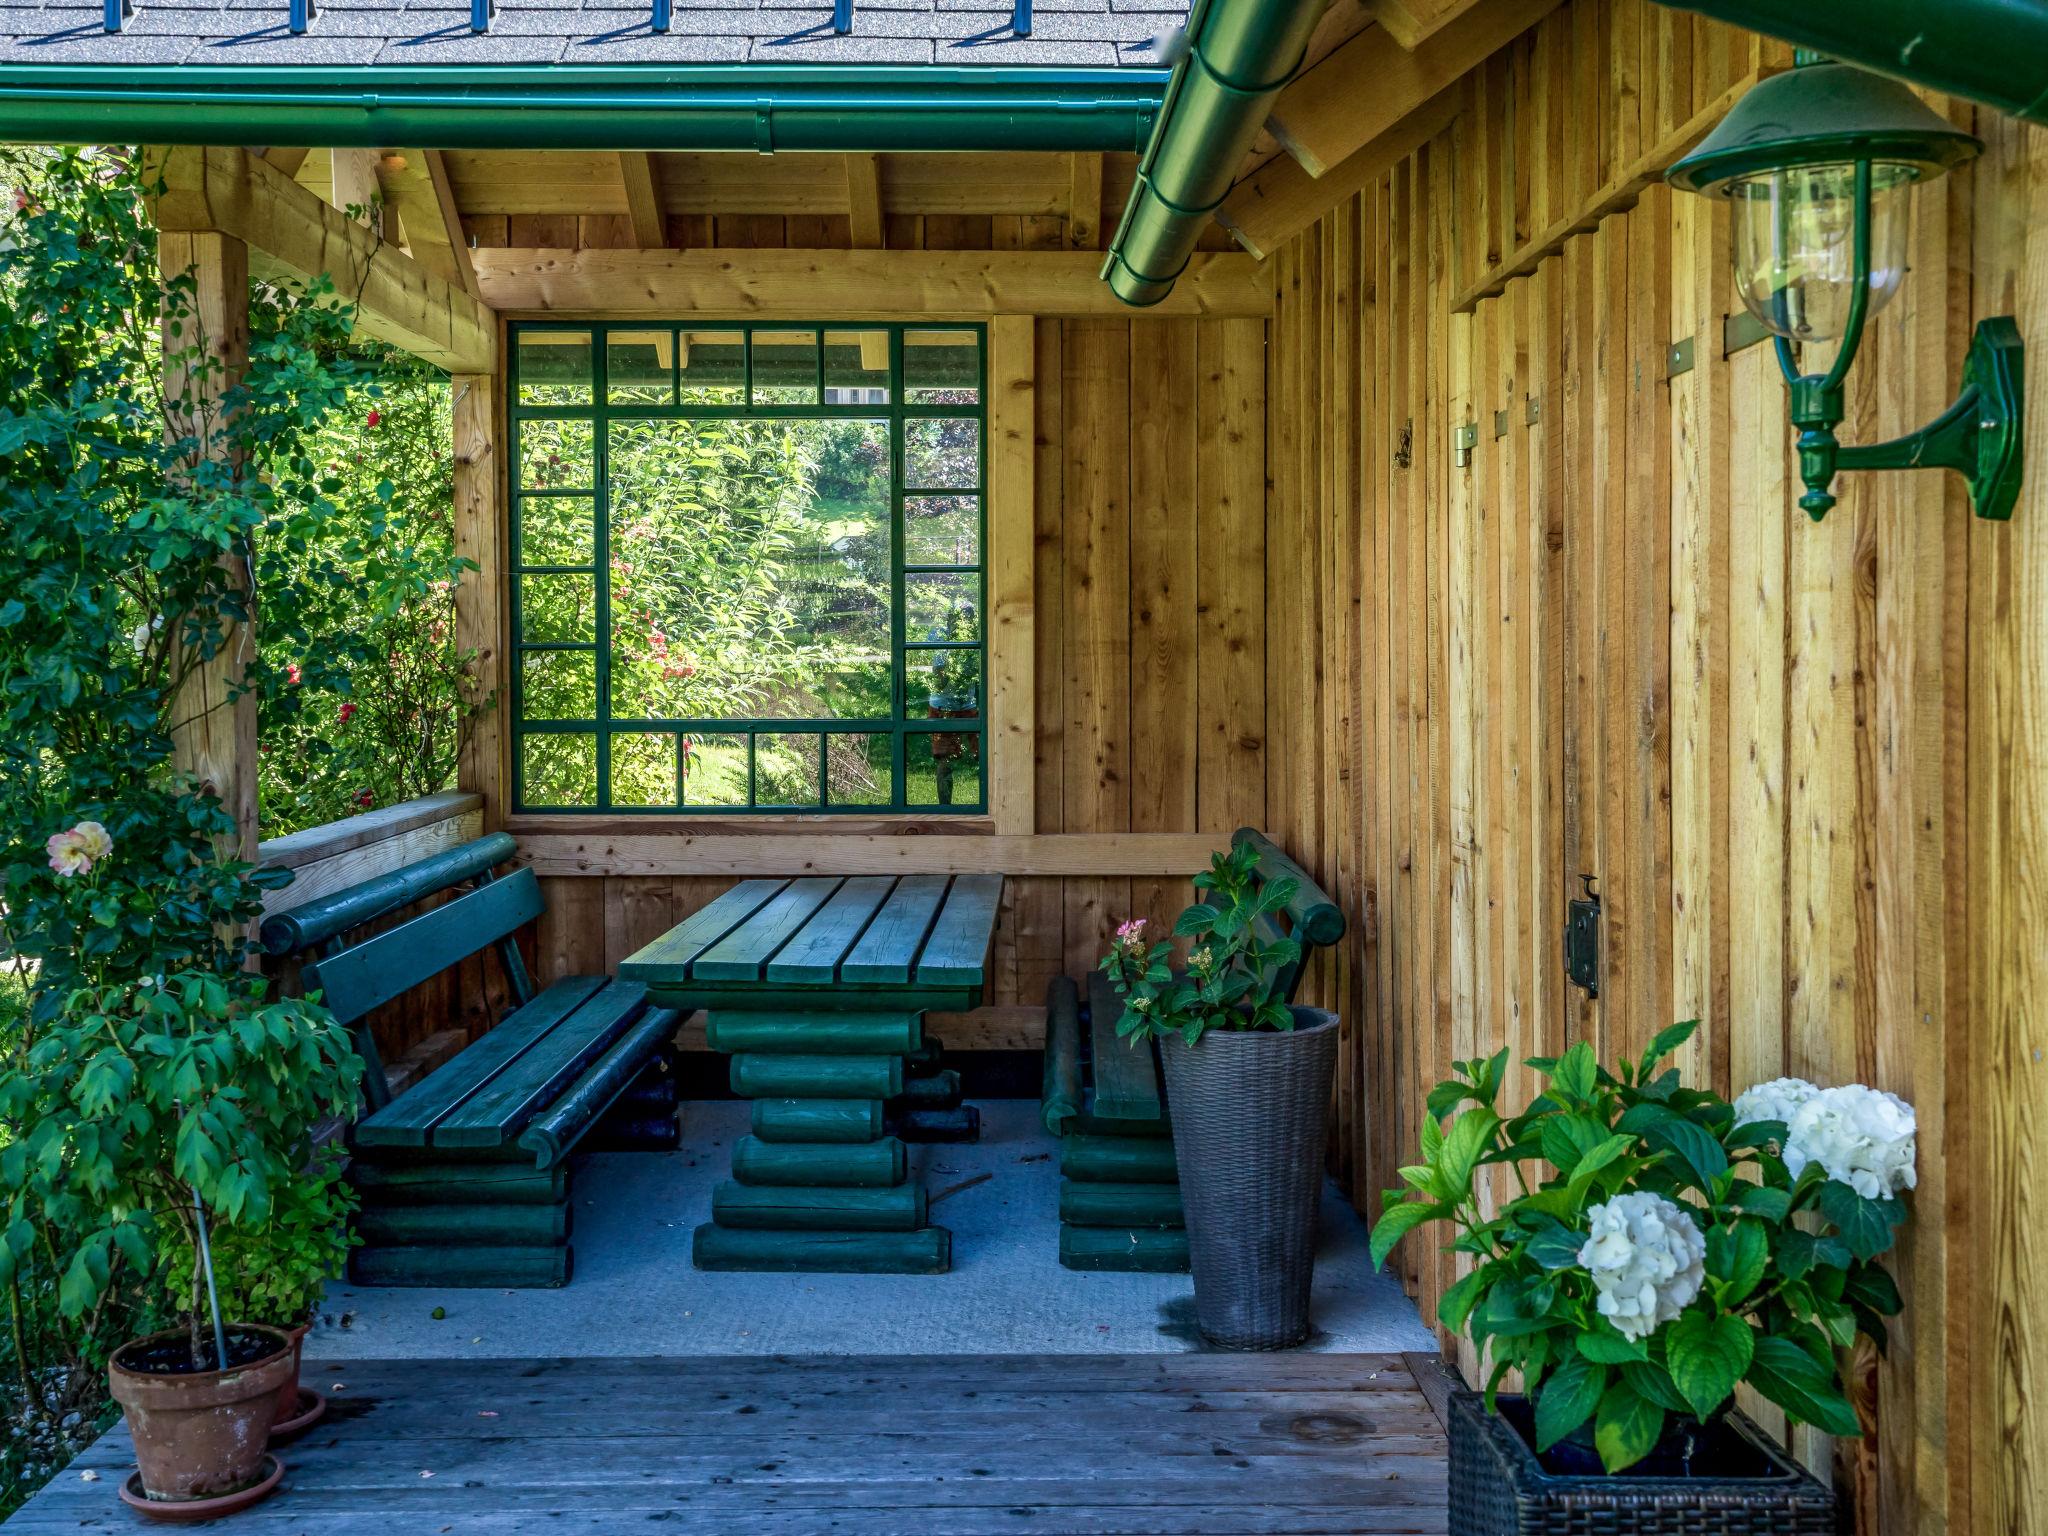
(1098, 33)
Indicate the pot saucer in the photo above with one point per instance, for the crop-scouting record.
(312, 1407)
(182, 1510)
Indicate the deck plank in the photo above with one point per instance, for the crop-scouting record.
(1147, 1445)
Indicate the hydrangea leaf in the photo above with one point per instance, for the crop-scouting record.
(1628, 1427)
(1570, 1395)
(1707, 1356)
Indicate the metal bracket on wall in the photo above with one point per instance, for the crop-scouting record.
(1463, 440)
(1678, 358)
(1582, 940)
(1740, 330)
(1533, 410)
(1500, 424)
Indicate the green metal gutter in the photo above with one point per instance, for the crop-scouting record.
(1992, 51)
(614, 106)
(1239, 54)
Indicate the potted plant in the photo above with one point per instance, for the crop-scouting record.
(1638, 1250)
(272, 1272)
(168, 1106)
(1248, 1079)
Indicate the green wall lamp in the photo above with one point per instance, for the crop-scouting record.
(1818, 164)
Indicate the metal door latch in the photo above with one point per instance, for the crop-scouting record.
(1582, 940)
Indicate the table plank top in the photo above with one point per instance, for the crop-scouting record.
(911, 931)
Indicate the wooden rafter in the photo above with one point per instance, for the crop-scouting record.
(1279, 201)
(1365, 88)
(356, 182)
(1413, 22)
(854, 285)
(293, 236)
(864, 201)
(286, 157)
(643, 199)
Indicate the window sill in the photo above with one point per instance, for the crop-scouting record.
(613, 824)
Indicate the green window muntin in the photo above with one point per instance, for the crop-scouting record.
(749, 567)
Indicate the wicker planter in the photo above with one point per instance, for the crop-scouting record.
(1498, 1488)
(1249, 1114)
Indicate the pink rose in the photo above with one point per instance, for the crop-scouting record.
(73, 852)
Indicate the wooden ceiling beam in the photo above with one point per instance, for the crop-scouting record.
(415, 184)
(864, 201)
(1413, 22)
(286, 157)
(293, 236)
(643, 202)
(1280, 200)
(354, 183)
(1084, 202)
(1365, 88)
(854, 285)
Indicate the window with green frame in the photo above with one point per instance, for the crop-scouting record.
(748, 568)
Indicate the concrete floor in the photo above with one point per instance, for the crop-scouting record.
(634, 1292)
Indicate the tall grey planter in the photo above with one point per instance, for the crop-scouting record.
(1250, 1111)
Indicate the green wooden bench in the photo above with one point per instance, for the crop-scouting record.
(1104, 1098)
(464, 1177)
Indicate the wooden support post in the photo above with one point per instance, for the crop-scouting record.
(643, 199)
(480, 536)
(1012, 461)
(1084, 202)
(214, 733)
(356, 189)
(864, 202)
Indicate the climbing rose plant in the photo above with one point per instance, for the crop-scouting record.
(1639, 1249)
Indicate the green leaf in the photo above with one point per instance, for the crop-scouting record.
(1874, 1288)
(1865, 1225)
(1455, 1305)
(1691, 1143)
(1799, 1252)
(1737, 1256)
(1627, 1428)
(1601, 1344)
(1464, 1144)
(1666, 1041)
(1397, 1221)
(1789, 1377)
(1552, 1244)
(1568, 1138)
(1577, 1072)
(1772, 1204)
(1706, 1357)
(1570, 1396)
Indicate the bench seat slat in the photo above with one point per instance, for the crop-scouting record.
(957, 952)
(1126, 1075)
(742, 953)
(498, 1111)
(813, 956)
(372, 973)
(888, 950)
(409, 1119)
(667, 960)
(560, 1125)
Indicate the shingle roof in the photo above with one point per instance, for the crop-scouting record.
(413, 32)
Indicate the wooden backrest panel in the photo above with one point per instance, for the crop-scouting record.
(375, 971)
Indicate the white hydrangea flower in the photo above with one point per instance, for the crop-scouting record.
(1862, 1136)
(1647, 1259)
(1779, 1099)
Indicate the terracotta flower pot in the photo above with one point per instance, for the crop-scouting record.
(201, 1434)
(288, 1394)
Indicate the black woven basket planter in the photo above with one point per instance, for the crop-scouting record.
(1499, 1489)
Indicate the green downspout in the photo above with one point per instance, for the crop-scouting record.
(1992, 51)
(1239, 54)
(765, 108)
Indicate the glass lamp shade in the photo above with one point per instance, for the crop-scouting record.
(1794, 232)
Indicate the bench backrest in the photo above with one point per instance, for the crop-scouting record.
(355, 980)
(1312, 920)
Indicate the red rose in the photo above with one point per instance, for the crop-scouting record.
(365, 799)
(291, 673)
(372, 419)
(348, 711)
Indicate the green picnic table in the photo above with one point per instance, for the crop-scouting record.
(817, 988)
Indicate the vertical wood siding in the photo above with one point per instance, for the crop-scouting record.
(1803, 762)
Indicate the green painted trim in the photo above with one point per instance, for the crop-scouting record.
(551, 106)
(902, 725)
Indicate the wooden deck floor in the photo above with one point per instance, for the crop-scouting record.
(1152, 1445)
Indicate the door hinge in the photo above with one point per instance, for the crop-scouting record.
(1463, 440)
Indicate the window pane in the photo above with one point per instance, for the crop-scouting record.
(557, 530)
(941, 530)
(786, 770)
(558, 685)
(557, 608)
(554, 368)
(638, 367)
(557, 456)
(941, 367)
(785, 367)
(942, 607)
(942, 769)
(941, 683)
(558, 770)
(643, 768)
(857, 367)
(942, 454)
(858, 770)
(714, 367)
(750, 569)
(715, 770)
